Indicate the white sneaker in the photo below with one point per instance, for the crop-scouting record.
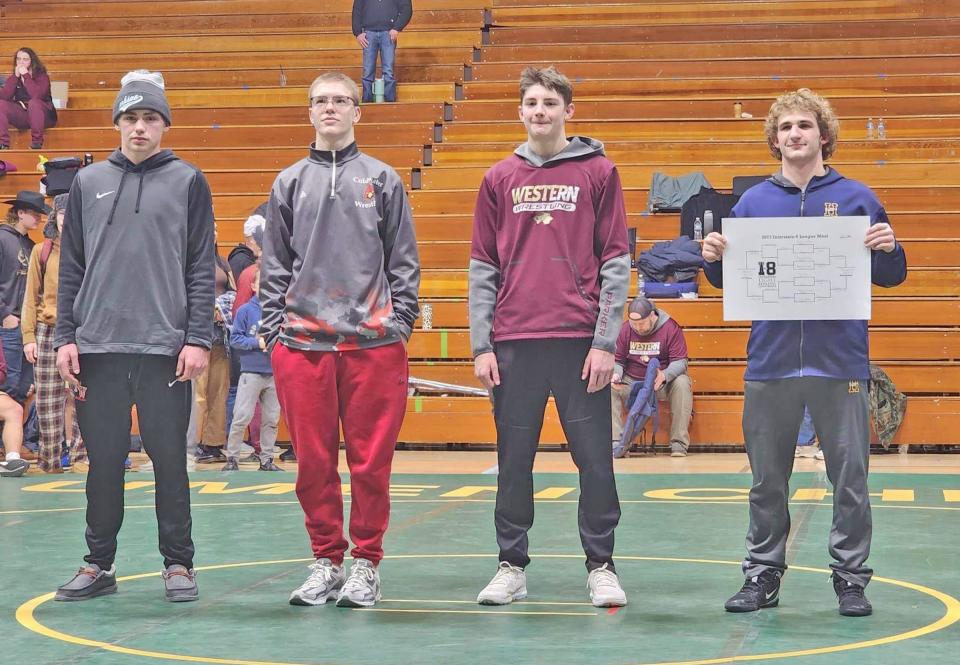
(818, 455)
(362, 588)
(508, 585)
(323, 584)
(605, 589)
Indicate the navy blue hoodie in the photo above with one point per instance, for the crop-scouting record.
(243, 336)
(833, 349)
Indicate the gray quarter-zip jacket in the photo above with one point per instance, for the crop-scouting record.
(137, 258)
(340, 268)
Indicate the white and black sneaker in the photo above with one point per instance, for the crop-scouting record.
(362, 588)
(13, 468)
(323, 584)
(757, 592)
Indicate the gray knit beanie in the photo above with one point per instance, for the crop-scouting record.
(59, 203)
(142, 89)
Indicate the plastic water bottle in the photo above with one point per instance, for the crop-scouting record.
(640, 285)
(707, 222)
(697, 229)
(869, 128)
(881, 129)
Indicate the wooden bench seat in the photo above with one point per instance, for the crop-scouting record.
(914, 127)
(199, 42)
(889, 310)
(716, 420)
(699, 50)
(734, 87)
(104, 8)
(319, 56)
(818, 26)
(751, 152)
(254, 96)
(937, 282)
(632, 67)
(721, 175)
(587, 108)
(926, 199)
(719, 377)
(296, 77)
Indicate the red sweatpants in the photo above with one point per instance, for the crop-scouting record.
(366, 391)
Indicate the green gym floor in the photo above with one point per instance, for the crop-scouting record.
(679, 545)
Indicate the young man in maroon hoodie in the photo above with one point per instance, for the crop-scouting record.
(549, 271)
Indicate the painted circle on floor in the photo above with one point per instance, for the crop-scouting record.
(25, 614)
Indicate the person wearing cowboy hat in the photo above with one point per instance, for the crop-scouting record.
(15, 247)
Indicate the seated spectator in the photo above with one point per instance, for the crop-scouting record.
(54, 401)
(25, 100)
(650, 332)
(256, 386)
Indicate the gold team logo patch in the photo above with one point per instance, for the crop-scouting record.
(831, 209)
(369, 192)
(853, 387)
(543, 218)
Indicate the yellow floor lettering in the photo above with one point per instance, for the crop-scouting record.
(810, 494)
(553, 492)
(469, 490)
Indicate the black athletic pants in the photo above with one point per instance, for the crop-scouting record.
(115, 382)
(530, 370)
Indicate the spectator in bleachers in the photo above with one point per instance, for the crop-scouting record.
(15, 248)
(134, 324)
(377, 25)
(549, 271)
(213, 385)
(649, 332)
(25, 101)
(339, 294)
(244, 259)
(823, 365)
(256, 386)
(54, 401)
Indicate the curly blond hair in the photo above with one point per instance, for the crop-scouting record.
(806, 100)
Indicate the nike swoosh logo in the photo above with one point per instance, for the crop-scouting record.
(771, 594)
(100, 196)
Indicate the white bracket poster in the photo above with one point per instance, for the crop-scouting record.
(796, 269)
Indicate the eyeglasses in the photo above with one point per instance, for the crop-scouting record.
(339, 103)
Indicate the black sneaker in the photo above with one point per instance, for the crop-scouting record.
(89, 582)
(209, 453)
(757, 592)
(231, 465)
(13, 468)
(269, 465)
(36, 145)
(288, 455)
(853, 603)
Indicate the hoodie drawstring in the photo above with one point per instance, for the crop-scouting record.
(139, 191)
(116, 199)
(333, 180)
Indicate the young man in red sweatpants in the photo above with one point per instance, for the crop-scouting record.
(340, 275)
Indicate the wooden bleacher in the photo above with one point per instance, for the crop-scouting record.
(656, 81)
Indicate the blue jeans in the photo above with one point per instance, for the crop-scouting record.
(378, 41)
(19, 371)
(807, 433)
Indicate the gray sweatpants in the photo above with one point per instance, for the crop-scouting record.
(253, 388)
(772, 413)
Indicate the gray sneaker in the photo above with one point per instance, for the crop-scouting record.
(323, 584)
(13, 468)
(89, 582)
(362, 588)
(677, 450)
(180, 584)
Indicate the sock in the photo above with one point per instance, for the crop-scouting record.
(13, 456)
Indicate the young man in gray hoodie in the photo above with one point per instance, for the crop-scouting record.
(134, 326)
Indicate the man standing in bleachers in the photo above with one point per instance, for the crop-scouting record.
(339, 281)
(549, 270)
(822, 365)
(377, 25)
(134, 326)
(649, 332)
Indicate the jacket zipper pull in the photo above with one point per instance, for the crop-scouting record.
(333, 180)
